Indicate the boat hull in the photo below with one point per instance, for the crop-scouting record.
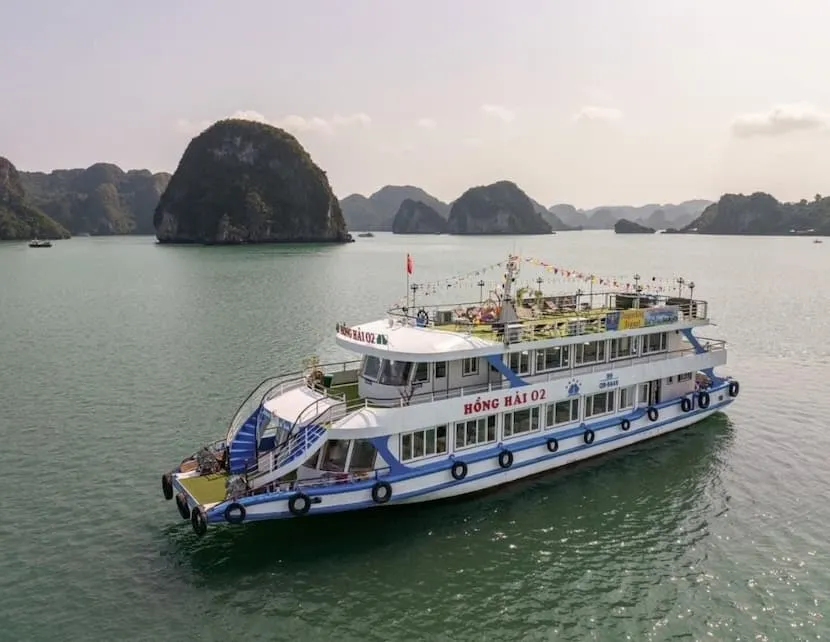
(531, 455)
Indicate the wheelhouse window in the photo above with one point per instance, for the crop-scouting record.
(469, 366)
(334, 457)
(519, 362)
(599, 404)
(521, 421)
(655, 342)
(423, 443)
(363, 456)
(623, 348)
(395, 373)
(475, 432)
(627, 397)
(642, 396)
(552, 359)
(562, 412)
(421, 373)
(371, 368)
(440, 369)
(590, 352)
(684, 376)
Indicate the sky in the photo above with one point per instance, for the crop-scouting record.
(596, 102)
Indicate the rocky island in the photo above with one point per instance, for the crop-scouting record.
(624, 226)
(415, 217)
(247, 182)
(499, 208)
(18, 219)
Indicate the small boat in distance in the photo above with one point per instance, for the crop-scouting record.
(38, 243)
(817, 241)
(366, 235)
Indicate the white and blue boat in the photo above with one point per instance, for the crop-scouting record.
(451, 400)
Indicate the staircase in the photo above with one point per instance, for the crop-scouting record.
(242, 448)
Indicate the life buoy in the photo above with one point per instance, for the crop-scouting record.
(299, 504)
(198, 520)
(552, 445)
(505, 459)
(625, 424)
(235, 513)
(422, 317)
(588, 436)
(181, 504)
(167, 485)
(734, 388)
(381, 492)
(653, 414)
(685, 404)
(459, 470)
(703, 399)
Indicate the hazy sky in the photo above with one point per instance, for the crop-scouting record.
(590, 102)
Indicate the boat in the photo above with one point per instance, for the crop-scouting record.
(448, 400)
(817, 241)
(366, 235)
(38, 243)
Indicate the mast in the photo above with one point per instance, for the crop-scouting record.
(508, 308)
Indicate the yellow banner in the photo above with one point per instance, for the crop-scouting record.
(632, 319)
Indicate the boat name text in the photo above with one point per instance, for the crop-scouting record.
(509, 401)
(356, 334)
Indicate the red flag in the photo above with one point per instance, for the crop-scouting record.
(408, 264)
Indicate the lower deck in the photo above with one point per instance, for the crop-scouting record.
(206, 489)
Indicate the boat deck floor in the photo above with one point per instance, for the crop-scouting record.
(206, 489)
(550, 325)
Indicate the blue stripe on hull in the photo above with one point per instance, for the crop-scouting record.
(215, 515)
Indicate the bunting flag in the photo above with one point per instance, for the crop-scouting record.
(409, 263)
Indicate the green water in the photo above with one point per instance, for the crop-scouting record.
(118, 357)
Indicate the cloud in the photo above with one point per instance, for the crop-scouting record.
(592, 113)
(498, 111)
(292, 122)
(426, 123)
(780, 121)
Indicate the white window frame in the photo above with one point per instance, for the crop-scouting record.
(589, 404)
(685, 376)
(550, 412)
(469, 366)
(508, 418)
(664, 342)
(580, 351)
(519, 356)
(425, 434)
(633, 348)
(630, 392)
(484, 424)
(564, 358)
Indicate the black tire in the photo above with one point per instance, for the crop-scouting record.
(552, 444)
(588, 436)
(181, 504)
(653, 414)
(299, 504)
(167, 485)
(198, 520)
(625, 424)
(235, 513)
(505, 459)
(734, 388)
(381, 492)
(703, 399)
(459, 470)
(685, 404)
(423, 316)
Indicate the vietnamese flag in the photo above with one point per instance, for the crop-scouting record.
(408, 263)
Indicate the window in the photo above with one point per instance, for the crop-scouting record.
(421, 373)
(423, 443)
(670, 380)
(371, 368)
(552, 358)
(395, 373)
(590, 352)
(599, 404)
(643, 395)
(521, 421)
(469, 366)
(627, 397)
(475, 432)
(519, 362)
(334, 459)
(363, 456)
(562, 412)
(654, 342)
(623, 347)
(440, 369)
(684, 376)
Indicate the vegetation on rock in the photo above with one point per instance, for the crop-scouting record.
(500, 208)
(415, 217)
(18, 219)
(624, 226)
(247, 182)
(101, 199)
(763, 214)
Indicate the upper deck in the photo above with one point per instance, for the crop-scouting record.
(436, 332)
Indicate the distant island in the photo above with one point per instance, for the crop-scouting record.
(499, 208)
(624, 226)
(241, 181)
(19, 220)
(416, 217)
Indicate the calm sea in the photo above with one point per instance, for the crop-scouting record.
(118, 357)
